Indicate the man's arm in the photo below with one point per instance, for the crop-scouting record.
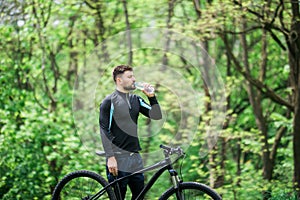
(153, 110)
(104, 122)
(106, 136)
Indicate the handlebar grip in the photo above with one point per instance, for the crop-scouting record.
(165, 147)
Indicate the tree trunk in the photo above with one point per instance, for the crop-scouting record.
(216, 177)
(295, 76)
(255, 101)
(168, 34)
(294, 62)
(296, 141)
(128, 33)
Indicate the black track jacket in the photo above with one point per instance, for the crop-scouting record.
(118, 121)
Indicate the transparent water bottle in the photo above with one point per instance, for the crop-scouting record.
(141, 86)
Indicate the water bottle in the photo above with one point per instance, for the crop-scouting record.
(141, 86)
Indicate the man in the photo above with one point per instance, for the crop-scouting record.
(118, 126)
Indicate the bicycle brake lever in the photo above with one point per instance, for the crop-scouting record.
(179, 151)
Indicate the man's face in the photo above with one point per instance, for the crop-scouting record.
(126, 80)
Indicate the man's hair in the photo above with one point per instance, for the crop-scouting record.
(120, 70)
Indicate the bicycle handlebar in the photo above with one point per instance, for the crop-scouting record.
(170, 150)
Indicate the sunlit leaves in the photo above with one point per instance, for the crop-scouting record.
(38, 145)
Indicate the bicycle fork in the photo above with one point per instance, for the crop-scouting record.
(176, 184)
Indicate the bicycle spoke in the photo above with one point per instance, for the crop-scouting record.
(81, 188)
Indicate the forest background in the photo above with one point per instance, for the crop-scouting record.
(46, 45)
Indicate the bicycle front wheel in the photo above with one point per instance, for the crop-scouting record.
(191, 190)
(82, 185)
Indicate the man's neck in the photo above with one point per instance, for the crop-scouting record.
(120, 89)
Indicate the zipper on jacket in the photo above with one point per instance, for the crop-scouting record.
(128, 100)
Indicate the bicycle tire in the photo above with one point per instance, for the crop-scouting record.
(81, 185)
(191, 190)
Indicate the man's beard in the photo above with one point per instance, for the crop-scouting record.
(130, 87)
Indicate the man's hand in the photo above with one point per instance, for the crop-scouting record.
(112, 166)
(146, 86)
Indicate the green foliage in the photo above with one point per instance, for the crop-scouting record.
(45, 45)
(282, 195)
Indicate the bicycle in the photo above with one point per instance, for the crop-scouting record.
(101, 189)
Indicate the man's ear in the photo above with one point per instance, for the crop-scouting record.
(118, 80)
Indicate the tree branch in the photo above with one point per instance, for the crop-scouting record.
(89, 4)
(248, 9)
(258, 84)
(278, 137)
(267, 25)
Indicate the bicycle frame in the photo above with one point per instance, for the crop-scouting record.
(164, 165)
